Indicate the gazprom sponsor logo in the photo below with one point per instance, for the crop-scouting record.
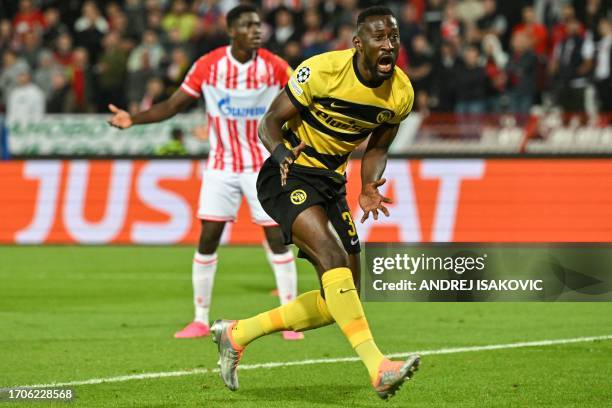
(225, 106)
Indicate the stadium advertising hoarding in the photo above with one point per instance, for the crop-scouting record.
(66, 135)
(155, 201)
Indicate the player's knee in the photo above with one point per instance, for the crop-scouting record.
(210, 237)
(332, 256)
(275, 240)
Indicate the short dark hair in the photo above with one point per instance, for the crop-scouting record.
(235, 13)
(373, 11)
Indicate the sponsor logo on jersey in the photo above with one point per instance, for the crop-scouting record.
(298, 196)
(227, 109)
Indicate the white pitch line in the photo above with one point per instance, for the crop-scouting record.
(195, 371)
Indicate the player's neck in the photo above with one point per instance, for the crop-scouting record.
(241, 55)
(363, 73)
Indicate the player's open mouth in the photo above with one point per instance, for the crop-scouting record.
(385, 64)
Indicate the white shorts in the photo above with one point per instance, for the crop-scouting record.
(221, 195)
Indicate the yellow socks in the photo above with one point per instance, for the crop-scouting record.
(344, 305)
(310, 310)
(307, 311)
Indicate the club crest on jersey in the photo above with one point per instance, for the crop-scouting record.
(384, 116)
(298, 196)
(303, 74)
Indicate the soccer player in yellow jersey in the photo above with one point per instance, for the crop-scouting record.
(332, 103)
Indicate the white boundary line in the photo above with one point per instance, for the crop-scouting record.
(195, 371)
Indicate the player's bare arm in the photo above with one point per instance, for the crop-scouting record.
(373, 165)
(178, 102)
(270, 133)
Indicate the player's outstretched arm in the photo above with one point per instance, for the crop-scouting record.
(270, 133)
(160, 111)
(373, 165)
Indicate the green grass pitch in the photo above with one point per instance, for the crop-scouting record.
(78, 313)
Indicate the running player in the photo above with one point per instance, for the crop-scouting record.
(238, 83)
(331, 104)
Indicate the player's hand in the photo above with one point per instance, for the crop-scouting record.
(371, 201)
(284, 166)
(121, 119)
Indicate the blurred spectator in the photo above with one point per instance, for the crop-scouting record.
(445, 78)
(148, 55)
(26, 102)
(548, 12)
(175, 147)
(451, 28)
(174, 40)
(284, 30)
(12, 66)
(180, 18)
(31, 47)
(292, 54)
(144, 62)
(136, 18)
(521, 72)
(420, 71)
(53, 26)
(571, 62)
(492, 22)
(176, 70)
(81, 81)
(603, 66)
(337, 13)
(208, 37)
(211, 11)
(6, 35)
(111, 73)
(535, 31)
(63, 50)
(495, 64)
(594, 11)
(28, 18)
(119, 23)
(46, 67)
(472, 84)
(560, 30)
(153, 94)
(60, 97)
(434, 14)
(344, 38)
(314, 39)
(91, 19)
(90, 28)
(409, 27)
(154, 22)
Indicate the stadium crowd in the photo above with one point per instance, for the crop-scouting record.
(463, 56)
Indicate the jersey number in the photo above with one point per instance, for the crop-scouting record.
(346, 216)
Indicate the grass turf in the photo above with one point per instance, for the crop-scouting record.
(76, 313)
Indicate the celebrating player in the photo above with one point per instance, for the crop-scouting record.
(238, 83)
(330, 105)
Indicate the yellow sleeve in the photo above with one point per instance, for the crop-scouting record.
(306, 82)
(405, 106)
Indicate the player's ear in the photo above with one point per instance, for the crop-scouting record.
(231, 32)
(357, 43)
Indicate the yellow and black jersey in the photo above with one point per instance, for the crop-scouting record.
(338, 110)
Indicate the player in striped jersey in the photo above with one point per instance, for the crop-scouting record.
(238, 82)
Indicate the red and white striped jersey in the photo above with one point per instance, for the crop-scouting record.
(236, 95)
